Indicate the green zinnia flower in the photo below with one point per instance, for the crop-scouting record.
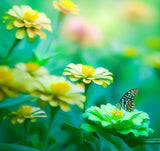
(109, 119)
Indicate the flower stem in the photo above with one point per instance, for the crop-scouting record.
(53, 111)
(16, 41)
(85, 93)
(26, 128)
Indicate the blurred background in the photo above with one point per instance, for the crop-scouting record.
(120, 35)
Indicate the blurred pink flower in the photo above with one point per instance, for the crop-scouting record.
(82, 31)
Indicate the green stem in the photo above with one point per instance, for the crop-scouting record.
(16, 41)
(85, 93)
(59, 20)
(26, 128)
(53, 111)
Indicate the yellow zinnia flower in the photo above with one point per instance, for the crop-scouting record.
(66, 7)
(87, 74)
(57, 91)
(27, 20)
(32, 69)
(6, 83)
(25, 112)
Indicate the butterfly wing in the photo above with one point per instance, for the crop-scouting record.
(127, 100)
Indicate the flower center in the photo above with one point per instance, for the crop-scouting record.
(67, 3)
(60, 88)
(116, 114)
(5, 76)
(25, 110)
(31, 15)
(32, 66)
(88, 70)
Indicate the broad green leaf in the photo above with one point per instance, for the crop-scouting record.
(13, 101)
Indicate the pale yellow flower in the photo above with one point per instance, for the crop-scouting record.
(27, 21)
(139, 12)
(87, 74)
(25, 112)
(32, 68)
(57, 91)
(6, 82)
(66, 7)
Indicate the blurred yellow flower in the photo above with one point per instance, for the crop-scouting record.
(130, 51)
(85, 74)
(25, 112)
(6, 82)
(139, 12)
(5, 75)
(32, 69)
(153, 59)
(57, 91)
(66, 7)
(27, 20)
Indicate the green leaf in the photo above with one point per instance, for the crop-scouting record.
(20, 33)
(13, 101)
(13, 147)
(89, 128)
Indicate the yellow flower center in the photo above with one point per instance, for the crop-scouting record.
(31, 15)
(88, 70)
(67, 4)
(32, 66)
(25, 110)
(60, 88)
(5, 76)
(130, 52)
(116, 114)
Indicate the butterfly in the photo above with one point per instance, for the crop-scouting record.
(127, 100)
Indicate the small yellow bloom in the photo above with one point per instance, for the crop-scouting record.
(88, 70)
(27, 21)
(57, 91)
(66, 7)
(32, 69)
(25, 112)
(85, 74)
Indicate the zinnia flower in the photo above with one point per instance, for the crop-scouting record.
(85, 74)
(27, 20)
(32, 69)
(25, 112)
(66, 7)
(6, 82)
(57, 91)
(108, 118)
